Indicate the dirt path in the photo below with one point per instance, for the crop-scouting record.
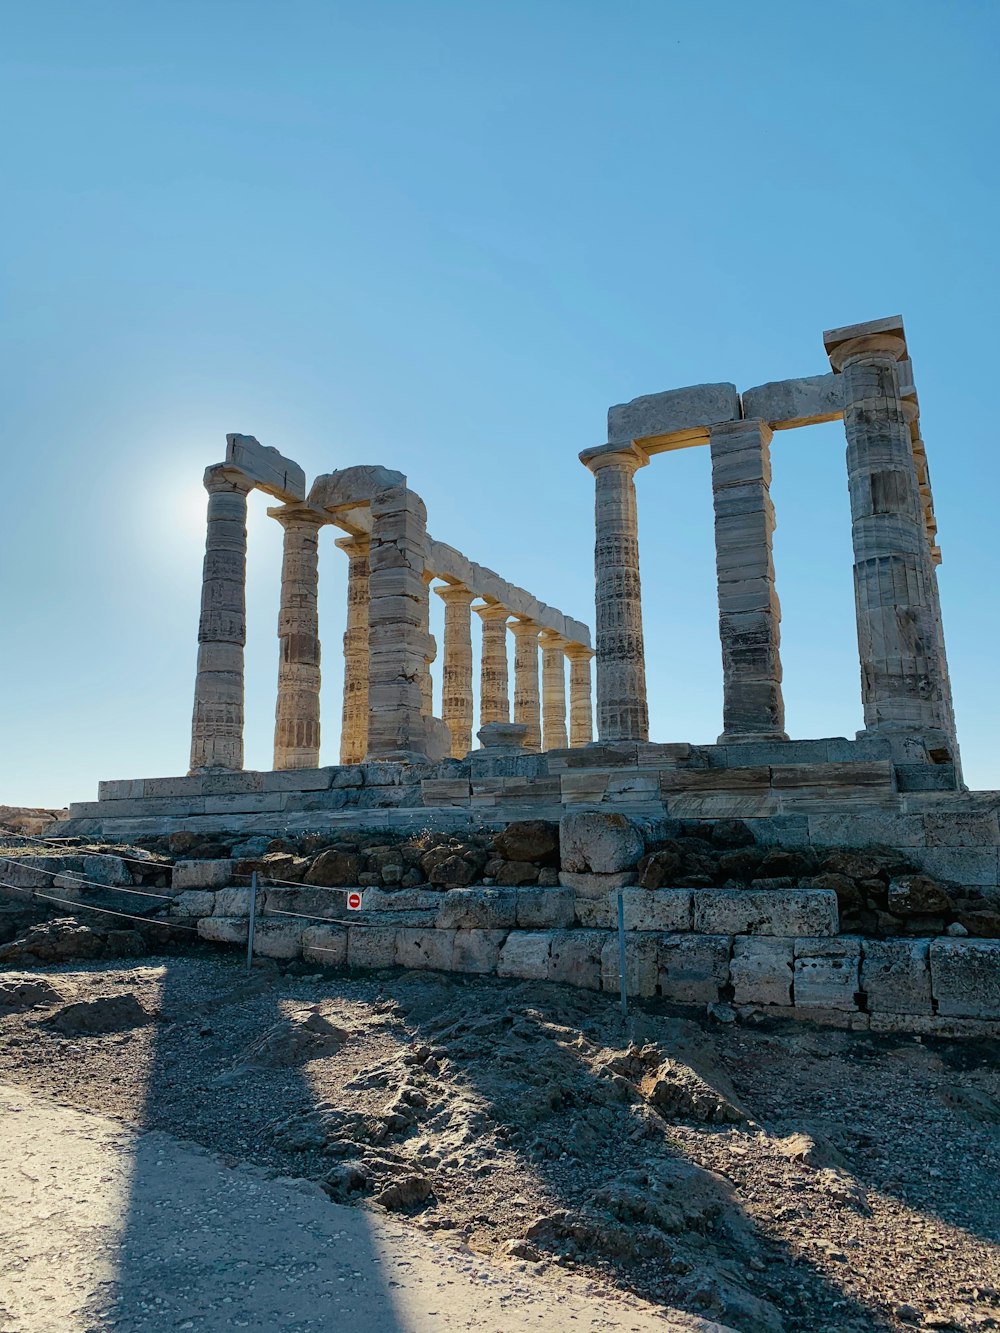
(102, 1228)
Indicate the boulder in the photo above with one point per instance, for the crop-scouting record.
(454, 872)
(334, 869)
(661, 869)
(598, 842)
(529, 840)
(55, 942)
(511, 874)
(26, 992)
(918, 895)
(108, 1013)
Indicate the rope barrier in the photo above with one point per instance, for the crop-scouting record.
(89, 883)
(68, 844)
(108, 911)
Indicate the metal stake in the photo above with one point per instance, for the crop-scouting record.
(621, 954)
(253, 919)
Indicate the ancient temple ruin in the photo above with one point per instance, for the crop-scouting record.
(388, 649)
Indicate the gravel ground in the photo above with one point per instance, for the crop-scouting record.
(771, 1177)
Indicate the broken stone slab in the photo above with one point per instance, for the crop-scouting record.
(896, 976)
(585, 885)
(526, 955)
(201, 875)
(827, 973)
(598, 842)
(266, 468)
(965, 977)
(193, 903)
(785, 404)
(655, 909)
(693, 968)
(786, 912)
(675, 418)
(761, 970)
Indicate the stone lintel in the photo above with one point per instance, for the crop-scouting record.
(785, 404)
(352, 488)
(892, 325)
(267, 469)
(674, 419)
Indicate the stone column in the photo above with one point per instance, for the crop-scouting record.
(749, 612)
(397, 615)
(426, 679)
(354, 720)
(217, 723)
(622, 713)
(527, 708)
(581, 709)
(494, 686)
(296, 718)
(553, 691)
(456, 689)
(901, 672)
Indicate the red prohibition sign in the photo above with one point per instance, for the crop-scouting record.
(354, 900)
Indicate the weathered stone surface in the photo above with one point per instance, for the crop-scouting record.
(224, 929)
(674, 418)
(896, 976)
(585, 885)
(784, 404)
(477, 950)
(761, 970)
(326, 945)
(965, 977)
(478, 909)
(527, 699)
(417, 947)
(545, 909)
(193, 903)
(575, 958)
(201, 874)
(642, 971)
(693, 968)
(526, 955)
(266, 468)
(598, 842)
(277, 939)
(371, 946)
(827, 972)
(766, 912)
(235, 902)
(658, 910)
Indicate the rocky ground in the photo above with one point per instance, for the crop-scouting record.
(768, 1177)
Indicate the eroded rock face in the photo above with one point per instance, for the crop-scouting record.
(54, 942)
(307, 1035)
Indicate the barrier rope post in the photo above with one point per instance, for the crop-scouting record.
(251, 925)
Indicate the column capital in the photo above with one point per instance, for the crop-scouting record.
(221, 477)
(298, 514)
(877, 339)
(357, 543)
(549, 638)
(628, 456)
(578, 652)
(492, 611)
(456, 594)
(524, 629)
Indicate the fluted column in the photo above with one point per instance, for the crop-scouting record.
(494, 685)
(622, 712)
(354, 722)
(898, 638)
(581, 709)
(217, 722)
(426, 679)
(749, 612)
(553, 691)
(456, 688)
(527, 708)
(296, 719)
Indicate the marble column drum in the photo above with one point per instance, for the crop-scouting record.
(426, 679)
(399, 645)
(749, 612)
(456, 675)
(527, 704)
(581, 709)
(217, 722)
(622, 711)
(297, 719)
(554, 736)
(902, 683)
(354, 709)
(494, 684)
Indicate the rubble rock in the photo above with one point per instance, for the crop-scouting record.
(529, 840)
(107, 1013)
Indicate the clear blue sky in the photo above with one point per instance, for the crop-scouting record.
(445, 237)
